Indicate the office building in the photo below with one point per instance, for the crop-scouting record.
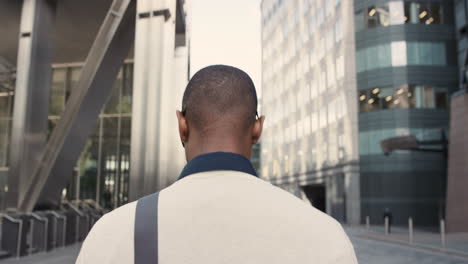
(341, 76)
(65, 136)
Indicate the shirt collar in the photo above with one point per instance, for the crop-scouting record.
(217, 161)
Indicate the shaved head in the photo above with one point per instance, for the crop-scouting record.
(220, 93)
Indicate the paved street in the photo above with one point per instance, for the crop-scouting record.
(60, 256)
(369, 251)
(372, 251)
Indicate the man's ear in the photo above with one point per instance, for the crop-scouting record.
(183, 127)
(257, 129)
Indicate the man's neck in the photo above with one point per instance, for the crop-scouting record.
(211, 144)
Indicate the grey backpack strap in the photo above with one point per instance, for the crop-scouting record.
(146, 230)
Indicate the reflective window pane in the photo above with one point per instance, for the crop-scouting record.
(57, 91)
(113, 104)
(397, 13)
(378, 16)
(404, 96)
(359, 22)
(127, 89)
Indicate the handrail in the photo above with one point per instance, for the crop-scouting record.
(20, 231)
(64, 218)
(38, 217)
(57, 215)
(17, 221)
(46, 227)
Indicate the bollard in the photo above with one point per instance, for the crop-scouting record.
(367, 222)
(410, 230)
(442, 233)
(386, 225)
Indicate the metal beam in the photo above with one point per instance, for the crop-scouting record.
(77, 122)
(29, 130)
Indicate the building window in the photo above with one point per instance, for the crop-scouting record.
(423, 13)
(378, 16)
(400, 53)
(359, 23)
(397, 13)
(403, 97)
(426, 53)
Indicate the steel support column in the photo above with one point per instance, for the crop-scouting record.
(154, 28)
(106, 56)
(29, 130)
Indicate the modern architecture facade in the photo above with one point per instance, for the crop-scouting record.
(341, 76)
(131, 110)
(309, 144)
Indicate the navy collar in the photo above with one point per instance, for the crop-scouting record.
(217, 161)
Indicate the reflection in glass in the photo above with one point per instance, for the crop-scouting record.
(404, 96)
(423, 13)
(112, 105)
(6, 112)
(88, 167)
(74, 78)
(397, 13)
(127, 89)
(378, 16)
(57, 91)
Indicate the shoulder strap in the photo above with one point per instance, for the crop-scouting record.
(146, 230)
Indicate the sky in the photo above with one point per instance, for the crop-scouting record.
(226, 32)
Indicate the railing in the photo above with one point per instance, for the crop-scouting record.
(78, 216)
(38, 234)
(59, 233)
(7, 235)
(40, 231)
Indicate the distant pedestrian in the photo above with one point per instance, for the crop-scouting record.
(388, 214)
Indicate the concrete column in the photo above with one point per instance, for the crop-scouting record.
(176, 153)
(153, 83)
(353, 194)
(168, 132)
(29, 130)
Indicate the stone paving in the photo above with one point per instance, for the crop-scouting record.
(383, 250)
(371, 246)
(456, 244)
(66, 255)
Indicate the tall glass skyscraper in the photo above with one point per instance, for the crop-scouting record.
(341, 76)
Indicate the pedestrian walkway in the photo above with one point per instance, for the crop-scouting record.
(371, 251)
(456, 244)
(371, 246)
(65, 255)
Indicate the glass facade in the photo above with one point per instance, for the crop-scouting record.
(368, 139)
(306, 96)
(403, 97)
(404, 80)
(6, 109)
(398, 13)
(401, 53)
(102, 172)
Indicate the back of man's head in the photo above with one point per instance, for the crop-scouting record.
(218, 111)
(220, 93)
